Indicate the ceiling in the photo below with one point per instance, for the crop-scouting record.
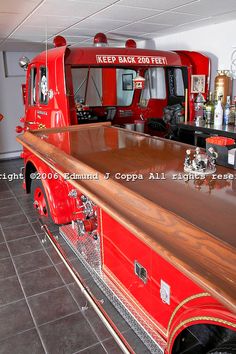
(26, 24)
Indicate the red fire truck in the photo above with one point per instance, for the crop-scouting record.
(151, 238)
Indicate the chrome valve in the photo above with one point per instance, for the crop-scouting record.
(87, 226)
(88, 206)
(73, 193)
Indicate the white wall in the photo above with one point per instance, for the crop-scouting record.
(11, 106)
(216, 41)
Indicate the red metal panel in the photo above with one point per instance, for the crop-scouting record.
(121, 249)
(109, 87)
(96, 56)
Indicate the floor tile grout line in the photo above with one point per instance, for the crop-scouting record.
(10, 190)
(46, 291)
(59, 318)
(27, 253)
(11, 276)
(24, 293)
(11, 227)
(18, 333)
(8, 216)
(89, 347)
(79, 307)
(35, 270)
(10, 198)
(22, 238)
(2, 199)
(88, 321)
(10, 213)
(3, 259)
(82, 312)
(11, 303)
(8, 206)
(29, 221)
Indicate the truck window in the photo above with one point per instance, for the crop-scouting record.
(32, 87)
(89, 86)
(124, 86)
(155, 84)
(179, 82)
(43, 86)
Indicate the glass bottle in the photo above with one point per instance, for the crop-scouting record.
(234, 111)
(209, 110)
(198, 107)
(227, 111)
(218, 114)
(223, 85)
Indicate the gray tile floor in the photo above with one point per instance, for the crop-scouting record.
(41, 309)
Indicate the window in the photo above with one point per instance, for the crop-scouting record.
(32, 87)
(179, 82)
(87, 84)
(155, 84)
(43, 86)
(90, 87)
(124, 86)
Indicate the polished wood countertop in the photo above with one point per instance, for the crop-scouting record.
(191, 223)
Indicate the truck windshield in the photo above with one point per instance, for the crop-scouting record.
(103, 86)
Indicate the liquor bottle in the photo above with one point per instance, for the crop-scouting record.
(218, 115)
(227, 111)
(233, 111)
(198, 107)
(209, 110)
(223, 85)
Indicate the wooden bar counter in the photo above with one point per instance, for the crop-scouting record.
(192, 224)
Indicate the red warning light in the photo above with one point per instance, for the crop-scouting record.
(130, 43)
(100, 40)
(59, 41)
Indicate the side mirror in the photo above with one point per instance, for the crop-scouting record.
(24, 62)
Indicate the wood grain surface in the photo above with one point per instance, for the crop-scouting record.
(190, 224)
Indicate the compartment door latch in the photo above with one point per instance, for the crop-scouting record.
(141, 272)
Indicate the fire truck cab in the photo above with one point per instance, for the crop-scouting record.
(121, 85)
